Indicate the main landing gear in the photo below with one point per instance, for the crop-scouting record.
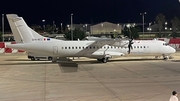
(103, 60)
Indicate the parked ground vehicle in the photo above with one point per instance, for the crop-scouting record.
(35, 56)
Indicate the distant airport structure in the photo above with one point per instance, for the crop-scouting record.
(106, 28)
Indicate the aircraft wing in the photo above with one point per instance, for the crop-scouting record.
(111, 42)
(118, 42)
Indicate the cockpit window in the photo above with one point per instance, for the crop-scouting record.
(165, 44)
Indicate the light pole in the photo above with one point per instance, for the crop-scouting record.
(54, 27)
(3, 27)
(118, 30)
(143, 21)
(102, 28)
(165, 29)
(71, 26)
(61, 27)
(43, 24)
(86, 28)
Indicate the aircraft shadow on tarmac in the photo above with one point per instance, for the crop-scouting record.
(68, 66)
(65, 66)
(115, 60)
(69, 63)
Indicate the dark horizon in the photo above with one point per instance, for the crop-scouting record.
(116, 11)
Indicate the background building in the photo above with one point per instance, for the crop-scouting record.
(105, 28)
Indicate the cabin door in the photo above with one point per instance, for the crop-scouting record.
(55, 50)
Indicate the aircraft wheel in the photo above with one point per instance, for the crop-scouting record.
(99, 59)
(32, 58)
(166, 57)
(170, 57)
(104, 60)
(156, 57)
(49, 58)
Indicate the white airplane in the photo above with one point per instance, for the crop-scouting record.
(31, 41)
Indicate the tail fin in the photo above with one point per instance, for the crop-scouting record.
(17, 37)
(21, 31)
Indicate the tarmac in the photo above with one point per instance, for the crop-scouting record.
(83, 79)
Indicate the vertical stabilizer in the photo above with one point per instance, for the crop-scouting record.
(17, 36)
(21, 31)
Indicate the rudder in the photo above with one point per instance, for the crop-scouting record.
(21, 31)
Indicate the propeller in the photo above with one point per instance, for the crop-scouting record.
(130, 45)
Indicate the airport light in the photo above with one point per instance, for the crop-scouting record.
(3, 27)
(128, 25)
(149, 29)
(165, 28)
(143, 21)
(166, 23)
(71, 26)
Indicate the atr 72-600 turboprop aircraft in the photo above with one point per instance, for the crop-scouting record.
(30, 41)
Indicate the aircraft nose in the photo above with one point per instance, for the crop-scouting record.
(173, 50)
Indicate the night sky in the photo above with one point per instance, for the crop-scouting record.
(89, 11)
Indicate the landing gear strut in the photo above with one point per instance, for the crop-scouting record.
(54, 59)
